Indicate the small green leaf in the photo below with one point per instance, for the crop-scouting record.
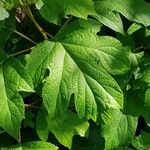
(63, 127)
(147, 97)
(42, 125)
(135, 99)
(39, 4)
(29, 119)
(145, 73)
(9, 4)
(3, 13)
(117, 128)
(111, 19)
(133, 28)
(6, 28)
(142, 142)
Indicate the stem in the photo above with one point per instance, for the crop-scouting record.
(2, 131)
(64, 25)
(48, 34)
(21, 52)
(29, 13)
(138, 48)
(31, 106)
(25, 37)
(19, 138)
(67, 21)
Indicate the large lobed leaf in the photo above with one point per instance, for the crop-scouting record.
(78, 63)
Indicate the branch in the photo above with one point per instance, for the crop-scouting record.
(21, 52)
(48, 34)
(25, 37)
(30, 15)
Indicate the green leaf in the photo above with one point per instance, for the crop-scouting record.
(2, 56)
(6, 28)
(117, 128)
(9, 4)
(3, 13)
(145, 73)
(63, 127)
(77, 65)
(42, 124)
(53, 11)
(29, 119)
(133, 28)
(39, 4)
(13, 78)
(147, 97)
(37, 145)
(93, 140)
(135, 99)
(105, 51)
(111, 19)
(131, 9)
(142, 142)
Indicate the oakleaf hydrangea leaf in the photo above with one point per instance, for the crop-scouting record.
(105, 51)
(117, 128)
(78, 63)
(134, 10)
(13, 78)
(64, 127)
(53, 11)
(110, 19)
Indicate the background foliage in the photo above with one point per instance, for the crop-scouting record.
(74, 74)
